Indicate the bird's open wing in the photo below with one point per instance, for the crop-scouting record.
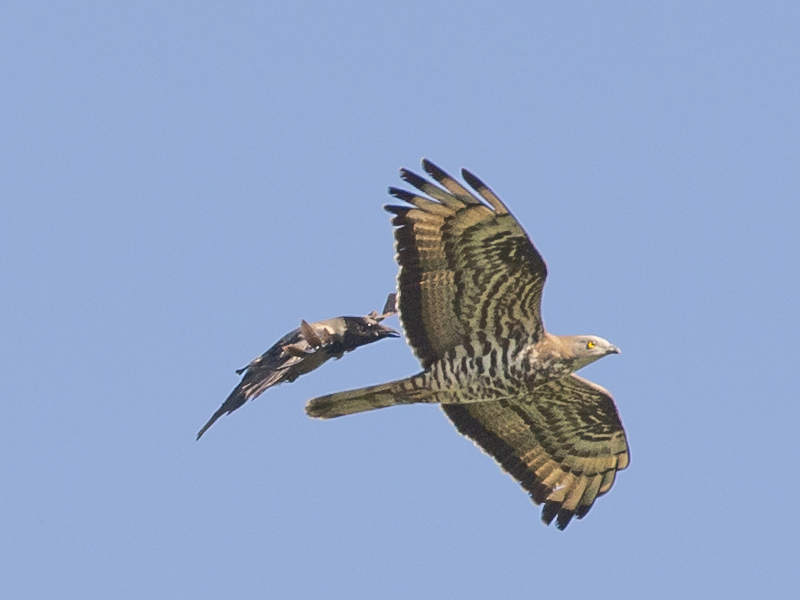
(267, 370)
(467, 268)
(564, 444)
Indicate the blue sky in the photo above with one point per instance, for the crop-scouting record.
(182, 182)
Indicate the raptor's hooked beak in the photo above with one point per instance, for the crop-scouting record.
(614, 350)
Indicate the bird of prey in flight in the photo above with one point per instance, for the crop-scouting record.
(469, 295)
(302, 350)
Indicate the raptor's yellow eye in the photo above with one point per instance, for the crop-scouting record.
(590, 345)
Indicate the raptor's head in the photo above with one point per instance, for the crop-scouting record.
(588, 348)
(364, 330)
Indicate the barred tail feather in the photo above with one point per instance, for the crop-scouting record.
(404, 391)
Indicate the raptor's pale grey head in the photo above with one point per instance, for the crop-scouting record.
(589, 348)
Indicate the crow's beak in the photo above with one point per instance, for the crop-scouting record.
(386, 331)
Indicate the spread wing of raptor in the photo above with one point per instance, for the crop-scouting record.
(467, 270)
(564, 445)
(469, 296)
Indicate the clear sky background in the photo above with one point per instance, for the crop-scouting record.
(182, 182)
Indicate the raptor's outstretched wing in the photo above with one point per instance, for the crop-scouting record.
(564, 444)
(467, 268)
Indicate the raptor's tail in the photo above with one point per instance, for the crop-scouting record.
(411, 390)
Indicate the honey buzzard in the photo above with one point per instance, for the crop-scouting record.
(469, 295)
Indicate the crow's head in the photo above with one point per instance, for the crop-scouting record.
(365, 330)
